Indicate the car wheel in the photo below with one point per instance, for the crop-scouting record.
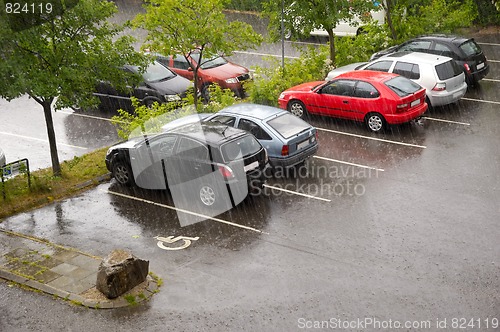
(297, 108)
(123, 173)
(375, 122)
(208, 195)
(205, 93)
(429, 105)
(149, 102)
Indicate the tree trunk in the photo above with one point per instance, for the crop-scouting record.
(388, 11)
(196, 88)
(331, 39)
(47, 110)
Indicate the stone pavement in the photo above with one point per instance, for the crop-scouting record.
(61, 271)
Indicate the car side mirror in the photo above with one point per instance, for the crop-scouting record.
(190, 68)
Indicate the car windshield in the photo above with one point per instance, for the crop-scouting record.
(470, 48)
(240, 148)
(448, 70)
(402, 86)
(210, 63)
(288, 125)
(156, 72)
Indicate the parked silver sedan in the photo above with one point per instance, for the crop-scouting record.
(289, 140)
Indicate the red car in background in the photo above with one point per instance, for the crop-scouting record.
(376, 98)
(218, 70)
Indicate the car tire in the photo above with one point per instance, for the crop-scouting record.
(297, 108)
(429, 105)
(122, 172)
(150, 101)
(375, 122)
(205, 93)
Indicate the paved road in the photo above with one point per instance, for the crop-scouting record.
(398, 228)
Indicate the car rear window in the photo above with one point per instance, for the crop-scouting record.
(470, 48)
(288, 125)
(239, 148)
(402, 86)
(448, 70)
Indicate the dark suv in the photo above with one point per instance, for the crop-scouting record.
(209, 165)
(465, 51)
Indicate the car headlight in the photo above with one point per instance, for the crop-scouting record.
(172, 98)
(282, 96)
(232, 80)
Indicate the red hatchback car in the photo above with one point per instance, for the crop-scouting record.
(377, 98)
(218, 70)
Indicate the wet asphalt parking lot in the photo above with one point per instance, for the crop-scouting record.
(388, 230)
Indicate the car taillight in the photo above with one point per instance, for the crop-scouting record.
(284, 150)
(402, 107)
(226, 172)
(467, 68)
(439, 87)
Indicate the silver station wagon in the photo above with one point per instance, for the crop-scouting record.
(442, 78)
(289, 140)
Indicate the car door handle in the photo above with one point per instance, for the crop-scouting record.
(345, 101)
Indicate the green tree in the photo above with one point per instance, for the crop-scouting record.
(59, 61)
(190, 25)
(409, 18)
(303, 16)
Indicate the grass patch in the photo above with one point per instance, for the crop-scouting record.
(46, 188)
(130, 299)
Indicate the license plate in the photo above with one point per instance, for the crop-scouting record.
(303, 144)
(481, 65)
(251, 166)
(415, 102)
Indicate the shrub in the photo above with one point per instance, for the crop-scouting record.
(270, 81)
(151, 119)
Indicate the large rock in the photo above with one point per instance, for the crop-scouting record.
(120, 272)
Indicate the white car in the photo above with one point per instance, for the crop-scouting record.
(442, 78)
(354, 28)
(343, 28)
(2, 158)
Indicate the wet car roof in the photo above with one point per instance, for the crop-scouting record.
(210, 132)
(252, 110)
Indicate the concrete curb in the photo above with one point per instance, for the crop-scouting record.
(20, 253)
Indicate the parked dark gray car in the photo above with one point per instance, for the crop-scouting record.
(210, 165)
(159, 84)
(465, 51)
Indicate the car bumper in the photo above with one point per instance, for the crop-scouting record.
(448, 97)
(478, 75)
(399, 118)
(301, 156)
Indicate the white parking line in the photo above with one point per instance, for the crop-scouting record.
(89, 116)
(448, 121)
(493, 60)
(266, 54)
(184, 211)
(373, 138)
(490, 79)
(42, 140)
(305, 43)
(297, 193)
(494, 44)
(483, 101)
(347, 163)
